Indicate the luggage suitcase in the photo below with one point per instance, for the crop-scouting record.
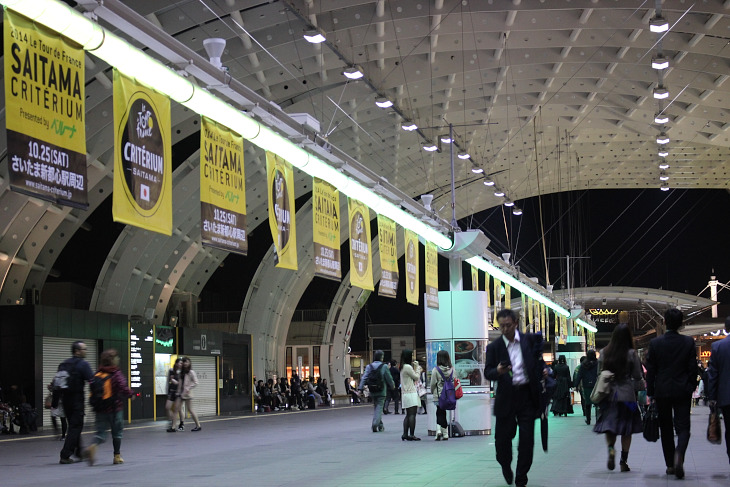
(456, 430)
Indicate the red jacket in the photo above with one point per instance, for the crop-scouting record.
(119, 388)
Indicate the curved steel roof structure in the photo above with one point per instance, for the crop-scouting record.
(544, 96)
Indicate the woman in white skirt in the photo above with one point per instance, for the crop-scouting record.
(188, 380)
(409, 396)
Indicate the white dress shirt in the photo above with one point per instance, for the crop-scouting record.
(514, 349)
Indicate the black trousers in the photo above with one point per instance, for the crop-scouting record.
(75, 418)
(441, 417)
(674, 416)
(523, 415)
(726, 419)
(585, 399)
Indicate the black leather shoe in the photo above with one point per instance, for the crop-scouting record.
(508, 475)
(670, 470)
(678, 466)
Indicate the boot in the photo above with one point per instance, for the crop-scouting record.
(611, 458)
(118, 460)
(446, 433)
(90, 453)
(439, 434)
(624, 459)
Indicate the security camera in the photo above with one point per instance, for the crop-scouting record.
(603, 302)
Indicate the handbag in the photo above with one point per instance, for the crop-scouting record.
(420, 389)
(457, 388)
(714, 430)
(48, 401)
(650, 423)
(603, 387)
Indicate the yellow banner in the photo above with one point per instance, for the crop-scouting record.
(222, 188)
(486, 289)
(432, 276)
(474, 278)
(531, 313)
(361, 256)
(282, 213)
(44, 112)
(412, 283)
(497, 299)
(326, 222)
(388, 257)
(523, 312)
(142, 158)
(507, 297)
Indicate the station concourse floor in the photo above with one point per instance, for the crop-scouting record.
(335, 447)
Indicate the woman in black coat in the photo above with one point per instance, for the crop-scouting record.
(562, 405)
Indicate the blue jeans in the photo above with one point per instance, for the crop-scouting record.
(378, 411)
(105, 421)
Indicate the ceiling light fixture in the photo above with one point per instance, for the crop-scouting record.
(488, 182)
(663, 177)
(516, 211)
(509, 202)
(409, 126)
(664, 187)
(353, 73)
(463, 155)
(660, 92)
(663, 153)
(429, 147)
(477, 170)
(662, 139)
(659, 62)
(446, 139)
(383, 102)
(499, 193)
(663, 165)
(658, 24)
(314, 36)
(661, 118)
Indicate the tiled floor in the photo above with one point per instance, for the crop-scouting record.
(335, 447)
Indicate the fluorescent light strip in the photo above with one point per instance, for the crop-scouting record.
(136, 64)
(586, 325)
(498, 273)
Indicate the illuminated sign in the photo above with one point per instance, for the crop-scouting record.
(602, 312)
(137, 349)
(705, 354)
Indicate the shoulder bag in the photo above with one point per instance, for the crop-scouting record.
(714, 430)
(603, 387)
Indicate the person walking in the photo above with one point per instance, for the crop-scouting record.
(671, 375)
(296, 390)
(393, 394)
(109, 415)
(188, 380)
(378, 386)
(443, 363)
(409, 395)
(718, 381)
(173, 380)
(79, 373)
(57, 413)
(586, 380)
(515, 363)
(561, 399)
(619, 415)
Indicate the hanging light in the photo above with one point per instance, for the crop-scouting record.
(662, 139)
(516, 211)
(663, 177)
(663, 165)
(446, 139)
(658, 24)
(464, 155)
(383, 102)
(664, 187)
(353, 72)
(429, 147)
(488, 182)
(314, 36)
(498, 193)
(477, 170)
(661, 118)
(663, 152)
(659, 62)
(409, 126)
(660, 92)
(509, 202)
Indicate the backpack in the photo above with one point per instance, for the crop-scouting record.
(101, 397)
(375, 380)
(447, 398)
(66, 378)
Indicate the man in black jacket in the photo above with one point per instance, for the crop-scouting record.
(586, 380)
(671, 374)
(79, 373)
(515, 362)
(394, 393)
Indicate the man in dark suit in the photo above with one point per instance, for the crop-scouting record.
(671, 375)
(515, 362)
(718, 380)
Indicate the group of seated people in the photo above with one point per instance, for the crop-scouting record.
(281, 394)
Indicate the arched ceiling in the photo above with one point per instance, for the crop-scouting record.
(545, 95)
